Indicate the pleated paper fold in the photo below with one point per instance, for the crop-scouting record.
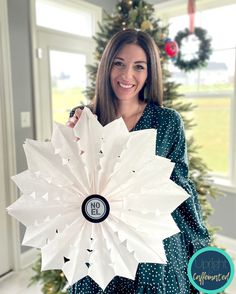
(110, 161)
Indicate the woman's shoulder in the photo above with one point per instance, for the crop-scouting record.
(166, 114)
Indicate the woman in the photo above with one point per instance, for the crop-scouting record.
(129, 84)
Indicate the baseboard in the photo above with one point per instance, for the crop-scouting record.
(28, 258)
(228, 243)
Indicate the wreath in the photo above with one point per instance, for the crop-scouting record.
(203, 53)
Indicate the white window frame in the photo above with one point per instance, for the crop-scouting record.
(165, 11)
(94, 10)
(96, 13)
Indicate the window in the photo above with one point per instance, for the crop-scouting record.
(68, 81)
(212, 89)
(62, 38)
(66, 17)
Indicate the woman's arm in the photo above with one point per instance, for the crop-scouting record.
(188, 215)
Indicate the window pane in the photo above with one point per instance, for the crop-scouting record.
(221, 26)
(217, 78)
(63, 18)
(179, 23)
(68, 81)
(212, 131)
(222, 32)
(211, 89)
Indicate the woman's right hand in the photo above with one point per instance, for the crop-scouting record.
(74, 119)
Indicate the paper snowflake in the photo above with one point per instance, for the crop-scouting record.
(97, 200)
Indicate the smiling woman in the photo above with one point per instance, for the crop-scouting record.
(129, 84)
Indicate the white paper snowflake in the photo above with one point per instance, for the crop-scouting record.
(97, 205)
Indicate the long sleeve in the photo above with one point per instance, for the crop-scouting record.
(188, 215)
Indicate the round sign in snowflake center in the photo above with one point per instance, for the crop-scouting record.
(95, 208)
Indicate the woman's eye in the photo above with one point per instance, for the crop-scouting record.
(139, 67)
(118, 63)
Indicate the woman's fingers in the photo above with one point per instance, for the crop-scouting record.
(78, 113)
(73, 120)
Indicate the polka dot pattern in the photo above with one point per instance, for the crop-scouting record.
(172, 277)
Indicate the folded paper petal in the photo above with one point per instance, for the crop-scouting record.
(63, 177)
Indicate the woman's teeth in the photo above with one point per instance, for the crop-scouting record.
(125, 86)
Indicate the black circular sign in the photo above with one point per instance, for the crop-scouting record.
(95, 208)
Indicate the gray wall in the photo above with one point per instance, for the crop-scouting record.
(19, 27)
(224, 215)
(108, 5)
(18, 14)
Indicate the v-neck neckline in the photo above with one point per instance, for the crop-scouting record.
(138, 122)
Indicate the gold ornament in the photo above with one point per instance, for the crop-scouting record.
(146, 25)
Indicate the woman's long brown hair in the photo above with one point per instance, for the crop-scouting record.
(105, 100)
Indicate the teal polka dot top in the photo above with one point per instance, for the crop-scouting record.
(170, 278)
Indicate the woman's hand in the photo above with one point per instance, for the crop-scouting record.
(74, 119)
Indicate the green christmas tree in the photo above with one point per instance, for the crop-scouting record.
(138, 14)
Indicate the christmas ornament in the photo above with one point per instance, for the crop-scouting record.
(171, 48)
(194, 49)
(146, 25)
(97, 200)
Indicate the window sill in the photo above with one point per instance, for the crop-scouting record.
(224, 185)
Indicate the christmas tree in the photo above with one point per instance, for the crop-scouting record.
(138, 14)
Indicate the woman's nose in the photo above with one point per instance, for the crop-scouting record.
(127, 73)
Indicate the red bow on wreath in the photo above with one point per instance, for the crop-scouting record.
(191, 12)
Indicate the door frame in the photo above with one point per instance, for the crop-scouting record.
(7, 148)
(49, 40)
(41, 125)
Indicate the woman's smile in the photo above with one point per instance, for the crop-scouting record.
(125, 86)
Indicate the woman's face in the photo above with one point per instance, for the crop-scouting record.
(129, 72)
